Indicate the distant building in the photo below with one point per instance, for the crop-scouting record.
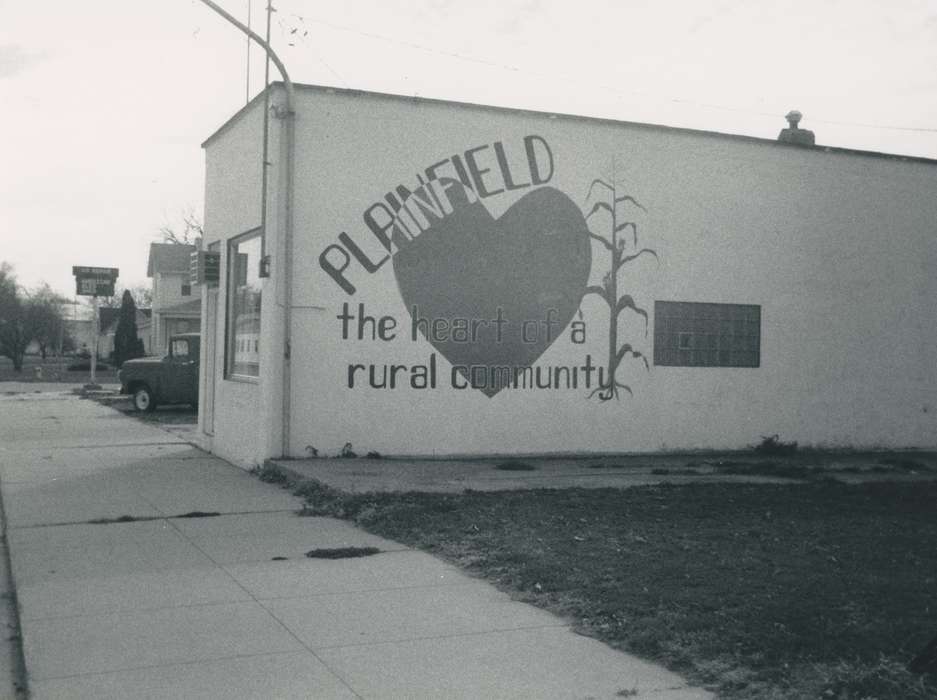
(177, 304)
(79, 324)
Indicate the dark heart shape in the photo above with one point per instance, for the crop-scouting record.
(468, 265)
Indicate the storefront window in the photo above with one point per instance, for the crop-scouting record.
(243, 342)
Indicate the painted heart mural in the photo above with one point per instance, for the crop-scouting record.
(510, 285)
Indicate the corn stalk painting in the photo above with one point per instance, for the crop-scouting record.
(620, 255)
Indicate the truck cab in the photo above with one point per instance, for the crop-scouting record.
(172, 379)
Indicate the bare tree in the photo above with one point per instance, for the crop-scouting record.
(14, 337)
(25, 317)
(142, 297)
(617, 246)
(185, 233)
(44, 318)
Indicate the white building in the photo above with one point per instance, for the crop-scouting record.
(79, 324)
(441, 283)
(176, 305)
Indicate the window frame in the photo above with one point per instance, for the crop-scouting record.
(172, 348)
(711, 335)
(231, 245)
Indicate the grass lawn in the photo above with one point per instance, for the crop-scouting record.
(54, 369)
(816, 590)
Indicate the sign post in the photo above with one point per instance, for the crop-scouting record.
(94, 353)
(94, 282)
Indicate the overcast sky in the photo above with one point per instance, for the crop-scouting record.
(104, 103)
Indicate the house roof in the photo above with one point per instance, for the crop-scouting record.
(169, 257)
(300, 87)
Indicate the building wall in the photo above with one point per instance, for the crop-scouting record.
(145, 333)
(82, 332)
(167, 289)
(837, 249)
(167, 292)
(241, 431)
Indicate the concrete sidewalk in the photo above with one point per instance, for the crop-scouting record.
(149, 603)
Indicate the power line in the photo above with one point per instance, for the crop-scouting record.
(292, 35)
(552, 76)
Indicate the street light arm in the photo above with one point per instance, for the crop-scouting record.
(263, 44)
(290, 128)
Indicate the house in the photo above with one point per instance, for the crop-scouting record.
(79, 324)
(433, 278)
(176, 304)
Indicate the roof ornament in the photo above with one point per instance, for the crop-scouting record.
(793, 133)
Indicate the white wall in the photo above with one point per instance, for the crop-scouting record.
(167, 292)
(82, 332)
(838, 250)
(242, 428)
(167, 289)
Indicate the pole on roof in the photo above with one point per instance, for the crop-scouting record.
(265, 156)
(247, 89)
(288, 84)
(287, 266)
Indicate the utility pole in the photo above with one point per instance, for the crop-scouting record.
(247, 91)
(265, 152)
(95, 323)
(288, 185)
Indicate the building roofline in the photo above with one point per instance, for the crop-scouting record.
(561, 115)
(159, 255)
(237, 115)
(192, 307)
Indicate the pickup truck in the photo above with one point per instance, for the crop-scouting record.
(171, 379)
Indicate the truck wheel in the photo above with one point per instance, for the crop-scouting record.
(143, 399)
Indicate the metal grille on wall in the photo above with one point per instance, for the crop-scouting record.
(694, 334)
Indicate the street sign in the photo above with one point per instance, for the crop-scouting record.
(80, 271)
(95, 281)
(205, 267)
(94, 286)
